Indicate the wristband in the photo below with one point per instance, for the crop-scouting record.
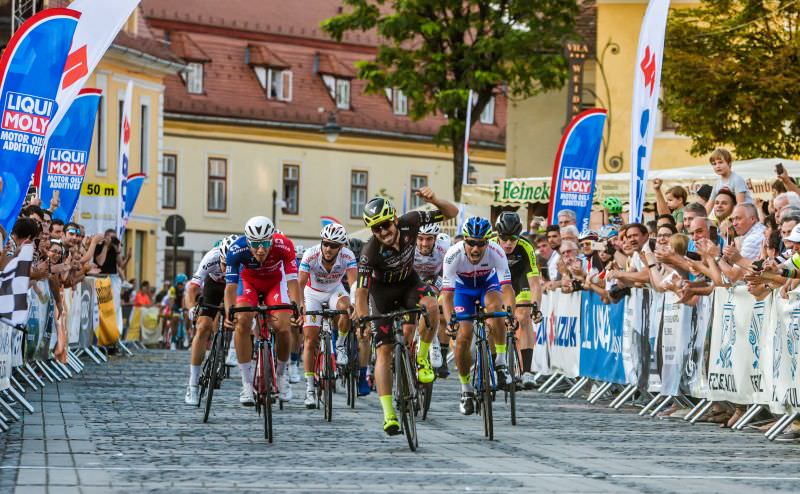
(651, 266)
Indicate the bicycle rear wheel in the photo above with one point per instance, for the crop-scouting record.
(205, 374)
(486, 390)
(267, 373)
(217, 358)
(405, 396)
(513, 373)
(327, 378)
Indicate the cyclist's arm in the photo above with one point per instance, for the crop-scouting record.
(302, 278)
(190, 298)
(447, 303)
(449, 275)
(352, 276)
(509, 297)
(232, 263)
(448, 209)
(362, 287)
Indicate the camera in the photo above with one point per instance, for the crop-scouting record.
(576, 286)
(616, 293)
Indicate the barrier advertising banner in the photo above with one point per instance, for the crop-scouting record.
(601, 340)
(97, 207)
(107, 332)
(541, 353)
(632, 336)
(695, 374)
(675, 331)
(31, 67)
(783, 344)
(564, 337)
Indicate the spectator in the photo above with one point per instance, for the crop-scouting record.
(690, 212)
(569, 233)
(566, 217)
(721, 160)
(543, 254)
(554, 240)
(107, 254)
(57, 229)
(672, 202)
(783, 202)
(143, 298)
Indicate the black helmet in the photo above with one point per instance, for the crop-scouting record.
(377, 211)
(508, 223)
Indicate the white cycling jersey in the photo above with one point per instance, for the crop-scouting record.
(321, 279)
(209, 267)
(430, 267)
(460, 271)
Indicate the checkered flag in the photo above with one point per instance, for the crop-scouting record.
(14, 283)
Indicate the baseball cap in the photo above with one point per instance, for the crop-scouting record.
(795, 235)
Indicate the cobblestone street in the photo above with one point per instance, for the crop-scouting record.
(123, 427)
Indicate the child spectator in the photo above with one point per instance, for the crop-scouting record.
(672, 202)
(721, 160)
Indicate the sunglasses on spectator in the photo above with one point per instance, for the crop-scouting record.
(382, 226)
(475, 243)
(260, 243)
(331, 245)
(74, 231)
(509, 238)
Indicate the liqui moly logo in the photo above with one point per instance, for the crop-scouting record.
(576, 180)
(26, 113)
(67, 162)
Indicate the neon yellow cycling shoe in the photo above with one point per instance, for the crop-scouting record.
(425, 371)
(391, 426)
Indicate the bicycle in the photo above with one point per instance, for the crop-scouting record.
(424, 390)
(349, 373)
(483, 375)
(513, 361)
(325, 367)
(265, 378)
(214, 369)
(404, 387)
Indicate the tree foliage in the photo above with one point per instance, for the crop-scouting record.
(731, 76)
(435, 51)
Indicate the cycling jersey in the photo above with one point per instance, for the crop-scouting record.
(387, 265)
(280, 261)
(210, 268)
(429, 267)
(460, 272)
(322, 279)
(522, 264)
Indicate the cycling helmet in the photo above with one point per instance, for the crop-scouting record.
(477, 227)
(443, 237)
(589, 235)
(181, 278)
(226, 243)
(613, 205)
(508, 223)
(430, 229)
(299, 250)
(608, 231)
(259, 228)
(334, 232)
(377, 211)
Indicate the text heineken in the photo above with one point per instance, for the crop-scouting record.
(510, 191)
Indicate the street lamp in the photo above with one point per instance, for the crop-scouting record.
(331, 128)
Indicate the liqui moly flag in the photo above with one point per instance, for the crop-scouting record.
(124, 154)
(132, 189)
(646, 87)
(67, 155)
(575, 168)
(30, 73)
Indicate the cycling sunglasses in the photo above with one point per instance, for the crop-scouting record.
(382, 226)
(262, 243)
(475, 243)
(331, 245)
(509, 238)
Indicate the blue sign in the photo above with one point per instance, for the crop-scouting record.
(67, 155)
(601, 343)
(135, 182)
(30, 71)
(575, 168)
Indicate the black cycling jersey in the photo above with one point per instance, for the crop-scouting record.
(382, 264)
(522, 263)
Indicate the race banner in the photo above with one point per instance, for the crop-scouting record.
(783, 342)
(30, 72)
(88, 313)
(6, 355)
(38, 302)
(696, 365)
(674, 347)
(601, 340)
(67, 155)
(151, 331)
(97, 207)
(541, 353)
(646, 89)
(122, 163)
(564, 337)
(107, 331)
(632, 336)
(135, 182)
(653, 316)
(575, 167)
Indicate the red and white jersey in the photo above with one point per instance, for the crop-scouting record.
(460, 271)
(279, 264)
(322, 279)
(430, 267)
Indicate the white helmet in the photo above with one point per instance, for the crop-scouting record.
(299, 250)
(430, 229)
(259, 228)
(226, 243)
(334, 232)
(443, 237)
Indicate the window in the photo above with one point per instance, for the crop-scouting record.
(291, 188)
(339, 89)
(487, 115)
(169, 182)
(417, 182)
(217, 184)
(358, 192)
(144, 141)
(193, 77)
(399, 102)
(102, 167)
(277, 83)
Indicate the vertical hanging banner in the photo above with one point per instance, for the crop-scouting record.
(575, 168)
(67, 154)
(646, 88)
(135, 182)
(31, 69)
(122, 164)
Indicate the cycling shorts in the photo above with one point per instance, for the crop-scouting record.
(315, 298)
(465, 297)
(524, 297)
(274, 290)
(213, 294)
(385, 298)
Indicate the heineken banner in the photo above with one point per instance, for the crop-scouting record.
(67, 155)
(601, 340)
(564, 336)
(575, 167)
(31, 68)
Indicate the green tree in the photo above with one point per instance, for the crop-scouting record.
(731, 75)
(435, 51)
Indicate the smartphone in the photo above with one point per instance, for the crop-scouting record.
(758, 265)
(652, 243)
(33, 191)
(694, 256)
(779, 169)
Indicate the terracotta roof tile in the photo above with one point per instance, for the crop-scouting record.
(183, 46)
(260, 54)
(330, 64)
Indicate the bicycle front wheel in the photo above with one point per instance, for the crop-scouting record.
(328, 379)
(205, 374)
(486, 390)
(513, 373)
(267, 373)
(405, 390)
(213, 373)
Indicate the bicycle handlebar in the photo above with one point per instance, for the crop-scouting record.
(395, 314)
(326, 312)
(264, 309)
(482, 316)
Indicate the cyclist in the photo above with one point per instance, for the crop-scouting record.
(613, 206)
(476, 269)
(387, 281)
(209, 279)
(526, 282)
(261, 262)
(428, 260)
(321, 272)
